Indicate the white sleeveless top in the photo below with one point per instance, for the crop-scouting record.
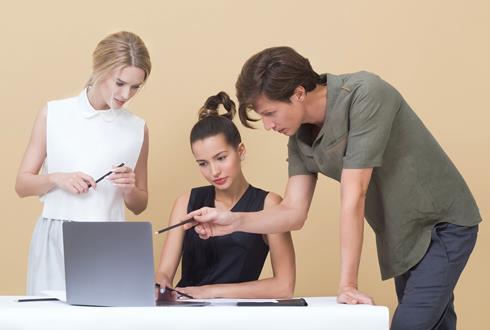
(80, 138)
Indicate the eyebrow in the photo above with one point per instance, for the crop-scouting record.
(124, 82)
(217, 155)
(261, 110)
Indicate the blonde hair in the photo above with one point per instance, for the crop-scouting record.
(117, 50)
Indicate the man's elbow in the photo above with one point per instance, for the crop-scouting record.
(298, 222)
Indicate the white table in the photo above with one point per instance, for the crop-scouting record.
(321, 313)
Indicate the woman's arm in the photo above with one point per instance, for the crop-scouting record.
(172, 246)
(134, 183)
(280, 285)
(30, 183)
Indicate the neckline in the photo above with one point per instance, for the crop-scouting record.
(239, 201)
(88, 111)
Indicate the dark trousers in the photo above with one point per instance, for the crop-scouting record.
(425, 292)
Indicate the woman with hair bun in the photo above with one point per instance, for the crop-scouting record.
(227, 266)
(81, 138)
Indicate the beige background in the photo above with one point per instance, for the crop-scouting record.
(435, 52)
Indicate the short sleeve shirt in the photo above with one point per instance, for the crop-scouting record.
(414, 184)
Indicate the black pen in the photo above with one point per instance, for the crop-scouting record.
(174, 226)
(176, 291)
(37, 299)
(105, 175)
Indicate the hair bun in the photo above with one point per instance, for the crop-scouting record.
(210, 107)
(206, 112)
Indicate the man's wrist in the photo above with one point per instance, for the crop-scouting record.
(51, 177)
(237, 221)
(347, 285)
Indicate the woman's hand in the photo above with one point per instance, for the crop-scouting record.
(75, 182)
(163, 282)
(198, 292)
(124, 178)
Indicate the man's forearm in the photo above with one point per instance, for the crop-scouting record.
(278, 219)
(351, 239)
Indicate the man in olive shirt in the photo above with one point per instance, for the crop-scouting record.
(357, 129)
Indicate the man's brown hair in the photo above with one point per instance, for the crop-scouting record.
(275, 73)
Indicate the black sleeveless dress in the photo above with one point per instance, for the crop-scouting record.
(233, 258)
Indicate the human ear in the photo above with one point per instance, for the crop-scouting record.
(241, 151)
(299, 94)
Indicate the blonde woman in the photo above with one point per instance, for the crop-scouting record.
(75, 141)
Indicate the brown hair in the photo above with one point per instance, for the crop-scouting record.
(275, 73)
(211, 123)
(119, 49)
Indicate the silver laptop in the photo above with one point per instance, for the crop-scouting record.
(109, 263)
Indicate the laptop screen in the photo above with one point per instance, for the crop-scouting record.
(109, 263)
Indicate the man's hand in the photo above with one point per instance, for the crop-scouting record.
(352, 296)
(211, 222)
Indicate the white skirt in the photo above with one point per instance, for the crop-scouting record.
(46, 270)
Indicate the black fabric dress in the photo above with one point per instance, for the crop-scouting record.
(233, 258)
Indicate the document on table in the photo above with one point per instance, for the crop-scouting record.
(60, 295)
(258, 302)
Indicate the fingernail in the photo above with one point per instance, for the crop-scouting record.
(162, 290)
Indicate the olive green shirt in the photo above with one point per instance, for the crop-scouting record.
(414, 184)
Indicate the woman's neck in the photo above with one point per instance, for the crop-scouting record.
(229, 197)
(95, 99)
